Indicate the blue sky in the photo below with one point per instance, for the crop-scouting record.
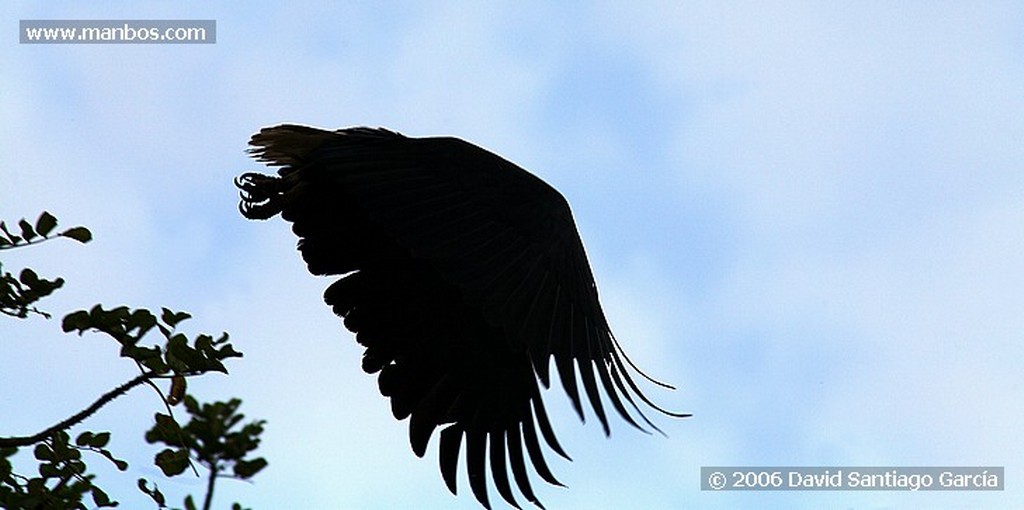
(807, 216)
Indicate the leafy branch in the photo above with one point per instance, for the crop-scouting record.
(209, 437)
(62, 479)
(177, 359)
(17, 295)
(40, 232)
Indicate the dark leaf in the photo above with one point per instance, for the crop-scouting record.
(84, 438)
(178, 348)
(172, 462)
(101, 499)
(154, 493)
(192, 405)
(76, 321)
(216, 366)
(27, 231)
(43, 452)
(100, 440)
(166, 425)
(80, 234)
(140, 354)
(45, 223)
(141, 319)
(248, 468)
(156, 364)
(121, 465)
(49, 471)
(228, 351)
(173, 318)
(11, 237)
(29, 277)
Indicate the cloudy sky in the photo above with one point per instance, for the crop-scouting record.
(807, 216)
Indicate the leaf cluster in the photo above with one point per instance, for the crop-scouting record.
(213, 437)
(18, 295)
(210, 437)
(63, 480)
(41, 231)
(178, 355)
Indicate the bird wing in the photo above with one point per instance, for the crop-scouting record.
(464, 277)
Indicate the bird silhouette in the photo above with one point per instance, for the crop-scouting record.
(463, 276)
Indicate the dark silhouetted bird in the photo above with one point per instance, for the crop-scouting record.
(462, 276)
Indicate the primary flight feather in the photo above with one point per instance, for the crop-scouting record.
(463, 276)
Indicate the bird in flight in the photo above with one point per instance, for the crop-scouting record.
(463, 276)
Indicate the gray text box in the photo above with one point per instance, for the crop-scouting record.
(118, 31)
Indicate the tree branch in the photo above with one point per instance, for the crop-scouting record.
(81, 415)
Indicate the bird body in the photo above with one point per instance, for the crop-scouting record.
(463, 276)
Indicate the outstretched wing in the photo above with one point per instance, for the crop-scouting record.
(463, 276)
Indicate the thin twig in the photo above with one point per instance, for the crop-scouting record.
(209, 486)
(170, 412)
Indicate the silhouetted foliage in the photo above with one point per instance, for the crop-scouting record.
(18, 295)
(209, 438)
(63, 479)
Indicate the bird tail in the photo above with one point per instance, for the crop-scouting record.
(288, 145)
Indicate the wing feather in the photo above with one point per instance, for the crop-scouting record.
(476, 464)
(448, 452)
(498, 469)
(516, 459)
